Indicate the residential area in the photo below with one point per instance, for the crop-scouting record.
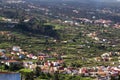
(59, 40)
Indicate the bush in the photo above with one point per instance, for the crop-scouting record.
(27, 74)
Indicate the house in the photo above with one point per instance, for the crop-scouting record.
(22, 56)
(41, 58)
(26, 20)
(2, 50)
(10, 62)
(105, 55)
(97, 58)
(3, 56)
(16, 48)
(30, 56)
(34, 57)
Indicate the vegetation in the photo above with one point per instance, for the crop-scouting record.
(46, 32)
(27, 74)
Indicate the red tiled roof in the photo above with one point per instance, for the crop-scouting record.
(7, 72)
(11, 61)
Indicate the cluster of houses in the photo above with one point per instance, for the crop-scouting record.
(116, 26)
(80, 21)
(51, 66)
(18, 53)
(104, 72)
(99, 72)
(98, 22)
(93, 36)
(5, 33)
(9, 20)
(13, 1)
(107, 56)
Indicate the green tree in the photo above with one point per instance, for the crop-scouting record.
(56, 75)
(37, 71)
(27, 74)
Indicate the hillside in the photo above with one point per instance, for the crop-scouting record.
(60, 39)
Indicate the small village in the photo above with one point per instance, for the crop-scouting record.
(30, 61)
(44, 61)
(60, 39)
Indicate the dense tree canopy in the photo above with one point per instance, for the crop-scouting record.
(37, 26)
